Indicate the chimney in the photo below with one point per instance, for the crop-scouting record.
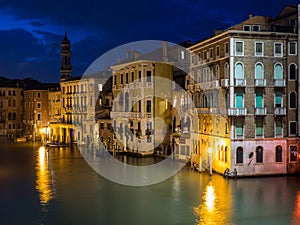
(165, 51)
(250, 15)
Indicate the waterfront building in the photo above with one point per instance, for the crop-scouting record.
(244, 86)
(11, 110)
(36, 114)
(73, 114)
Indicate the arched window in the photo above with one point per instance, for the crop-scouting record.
(217, 72)
(259, 72)
(199, 76)
(259, 154)
(239, 71)
(226, 154)
(292, 100)
(292, 72)
(239, 155)
(9, 116)
(278, 73)
(126, 102)
(14, 117)
(278, 153)
(226, 69)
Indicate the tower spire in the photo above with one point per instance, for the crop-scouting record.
(65, 53)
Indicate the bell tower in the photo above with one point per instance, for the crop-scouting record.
(66, 67)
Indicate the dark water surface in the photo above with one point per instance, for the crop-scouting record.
(57, 187)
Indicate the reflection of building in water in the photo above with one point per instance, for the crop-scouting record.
(296, 214)
(216, 205)
(44, 182)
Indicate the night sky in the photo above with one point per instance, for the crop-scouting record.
(31, 31)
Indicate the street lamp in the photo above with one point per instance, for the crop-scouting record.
(209, 150)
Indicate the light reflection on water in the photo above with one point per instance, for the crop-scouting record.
(43, 178)
(216, 206)
(77, 195)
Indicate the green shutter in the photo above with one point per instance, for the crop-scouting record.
(278, 130)
(259, 128)
(239, 129)
(239, 100)
(278, 98)
(259, 99)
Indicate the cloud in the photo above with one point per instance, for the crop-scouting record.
(37, 23)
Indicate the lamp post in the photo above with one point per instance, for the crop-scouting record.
(209, 150)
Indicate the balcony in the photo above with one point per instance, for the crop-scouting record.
(260, 82)
(280, 111)
(279, 83)
(240, 82)
(261, 111)
(225, 82)
(237, 111)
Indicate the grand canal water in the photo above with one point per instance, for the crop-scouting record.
(57, 187)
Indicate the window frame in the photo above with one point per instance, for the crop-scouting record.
(239, 53)
(292, 122)
(262, 49)
(293, 92)
(290, 72)
(294, 161)
(289, 46)
(281, 49)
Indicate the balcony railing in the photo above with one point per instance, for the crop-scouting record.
(237, 111)
(260, 82)
(240, 82)
(280, 111)
(279, 83)
(225, 82)
(261, 111)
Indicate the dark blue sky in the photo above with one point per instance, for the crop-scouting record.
(31, 31)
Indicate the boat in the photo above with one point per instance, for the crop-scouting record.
(228, 174)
